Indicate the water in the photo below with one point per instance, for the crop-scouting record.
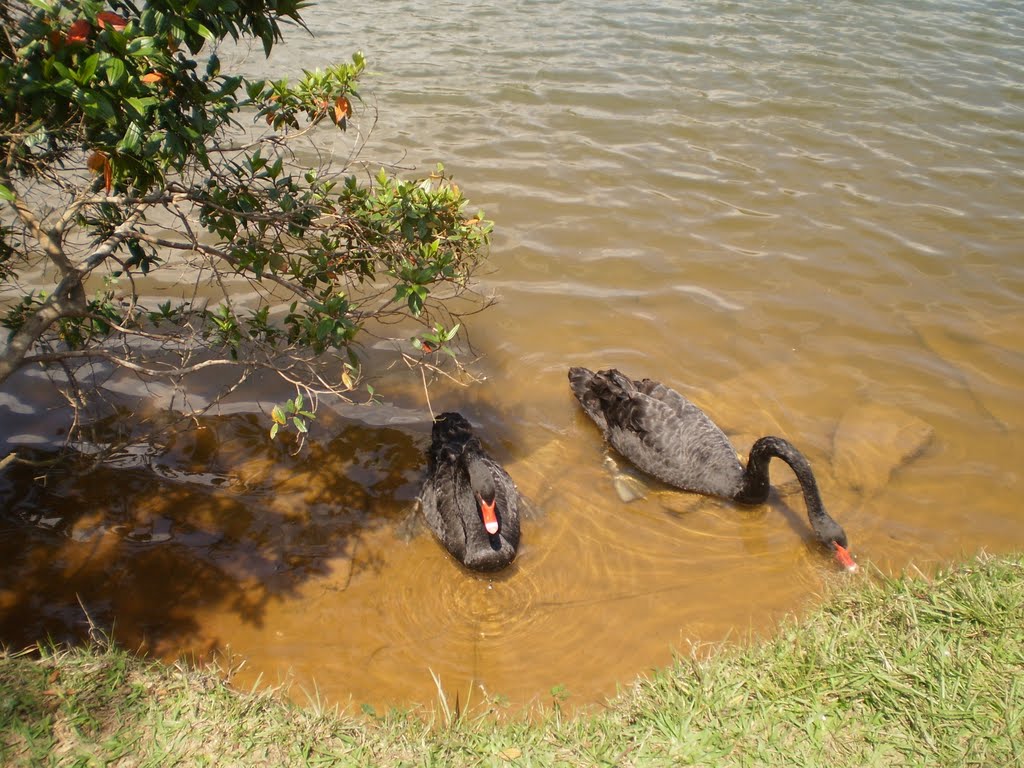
(805, 217)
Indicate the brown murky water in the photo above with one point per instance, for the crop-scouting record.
(806, 219)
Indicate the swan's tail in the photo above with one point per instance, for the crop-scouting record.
(450, 435)
(597, 392)
(579, 381)
(451, 427)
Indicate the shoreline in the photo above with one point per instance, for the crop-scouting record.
(911, 669)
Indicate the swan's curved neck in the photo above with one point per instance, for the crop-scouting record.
(756, 484)
(480, 478)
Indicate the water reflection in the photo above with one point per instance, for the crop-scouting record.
(220, 517)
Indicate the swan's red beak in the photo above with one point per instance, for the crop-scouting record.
(844, 558)
(489, 515)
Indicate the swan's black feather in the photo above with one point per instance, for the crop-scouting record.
(667, 436)
(660, 431)
(449, 498)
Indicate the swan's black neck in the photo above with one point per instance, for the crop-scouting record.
(480, 478)
(756, 485)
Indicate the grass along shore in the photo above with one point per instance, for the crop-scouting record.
(909, 671)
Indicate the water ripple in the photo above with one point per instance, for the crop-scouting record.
(796, 207)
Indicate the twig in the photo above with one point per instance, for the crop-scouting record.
(426, 392)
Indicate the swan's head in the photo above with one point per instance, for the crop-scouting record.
(831, 534)
(843, 556)
(488, 513)
(482, 482)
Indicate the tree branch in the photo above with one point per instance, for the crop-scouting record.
(67, 300)
(104, 354)
(49, 239)
(208, 250)
(108, 246)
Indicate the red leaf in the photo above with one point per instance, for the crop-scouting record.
(342, 109)
(96, 161)
(112, 20)
(79, 31)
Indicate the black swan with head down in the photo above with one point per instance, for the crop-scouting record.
(468, 499)
(667, 436)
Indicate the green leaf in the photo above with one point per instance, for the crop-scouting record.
(132, 139)
(417, 295)
(6, 194)
(95, 105)
(142, 46)
(278, 415)
(254, 88)
(273, 430)
(115, 71)
(324, 328)
(202, 31)
(88, 69)
(138, 105)
(300, 425)
(65, 72)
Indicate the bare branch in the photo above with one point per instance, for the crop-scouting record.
(49, 240)
(105, 354)
(10, 458)
(84, 200)
(209, 250)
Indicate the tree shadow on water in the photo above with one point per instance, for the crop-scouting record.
(218, 519)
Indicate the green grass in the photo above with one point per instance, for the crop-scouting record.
(902, 672)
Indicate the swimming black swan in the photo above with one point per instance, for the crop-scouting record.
(468, 499)
(669, 437)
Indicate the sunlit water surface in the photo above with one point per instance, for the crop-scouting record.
(806, 217)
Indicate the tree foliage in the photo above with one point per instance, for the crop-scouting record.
(131, 164)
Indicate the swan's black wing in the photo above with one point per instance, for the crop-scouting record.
(443, 495)
(683, 408)
(666, 435)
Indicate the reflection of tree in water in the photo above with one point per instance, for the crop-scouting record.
(219, 519)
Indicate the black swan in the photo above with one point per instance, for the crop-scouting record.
(468, 499)
(667, 436)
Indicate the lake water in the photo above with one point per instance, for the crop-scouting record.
(807, 217)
